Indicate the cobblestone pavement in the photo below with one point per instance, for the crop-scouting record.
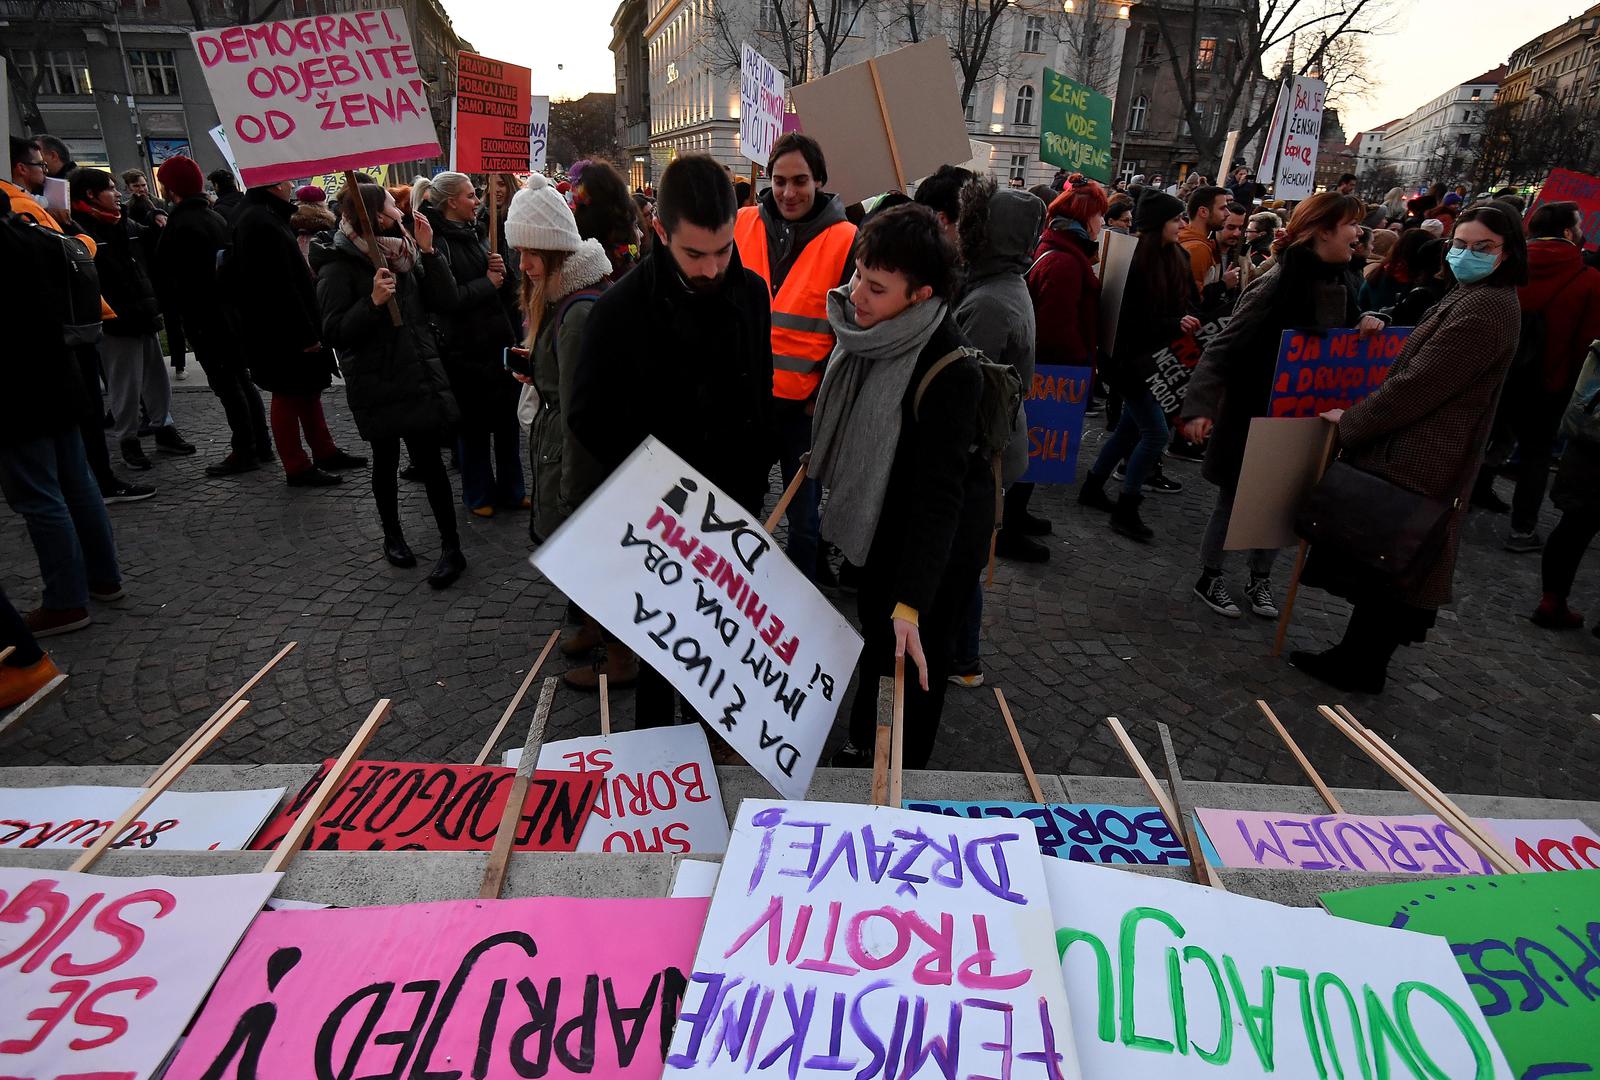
(221, 572)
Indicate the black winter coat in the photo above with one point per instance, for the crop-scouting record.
(275, 298)
(186, 269)
(392, 374)
(42, 391)
(693, 370)
(1147, 324)
(120, 258)
(229, 206)
(474, 333)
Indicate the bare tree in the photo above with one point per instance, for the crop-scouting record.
(802, 38)
(1088, 32)
(240, 12)
(1522, 141)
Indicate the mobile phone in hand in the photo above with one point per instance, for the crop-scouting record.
(518, 360)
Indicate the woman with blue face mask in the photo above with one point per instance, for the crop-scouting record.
(1424, 430)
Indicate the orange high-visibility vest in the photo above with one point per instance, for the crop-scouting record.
(801, 336)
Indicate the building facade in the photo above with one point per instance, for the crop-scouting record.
(1437, 141)
(633, 90)
(1562, 64)
(121, 85)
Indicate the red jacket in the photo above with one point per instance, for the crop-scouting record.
(1066, 298)
(1568, 293)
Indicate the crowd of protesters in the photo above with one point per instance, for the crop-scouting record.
(884, 349)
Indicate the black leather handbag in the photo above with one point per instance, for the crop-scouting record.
(1373, 523)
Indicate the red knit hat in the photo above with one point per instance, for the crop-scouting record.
(181, 177)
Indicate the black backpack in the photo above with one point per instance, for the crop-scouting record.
(73, 298)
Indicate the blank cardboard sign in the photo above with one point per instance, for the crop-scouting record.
(921, 112)
(1283, 461)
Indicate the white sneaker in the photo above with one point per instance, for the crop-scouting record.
(1259, 593)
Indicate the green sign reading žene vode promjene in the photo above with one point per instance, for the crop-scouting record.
(1075, 127)
(1529, 945)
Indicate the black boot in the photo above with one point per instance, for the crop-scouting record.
(1125, 519)
(1015, 545)
(397, 551)
(1092, 493)
(449, 567)
(1359, 664)
(1484, 496)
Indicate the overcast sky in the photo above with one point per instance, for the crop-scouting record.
(1431, 46)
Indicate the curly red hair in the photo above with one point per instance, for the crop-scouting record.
(1080, 200)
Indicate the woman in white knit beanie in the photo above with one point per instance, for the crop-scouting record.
(562, 275)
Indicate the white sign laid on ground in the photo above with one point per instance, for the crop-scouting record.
(74, 817)
(688, 579)
(99, 975)
(659, 791)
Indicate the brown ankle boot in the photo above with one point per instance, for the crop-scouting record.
(585, 639)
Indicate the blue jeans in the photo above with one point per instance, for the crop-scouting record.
(794, 439)
(492, 478)
(1140, 436)
(47, 481)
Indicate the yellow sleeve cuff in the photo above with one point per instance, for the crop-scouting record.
(909, 614)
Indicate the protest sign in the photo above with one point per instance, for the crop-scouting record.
(695, 878)
(75, 817)
(658, 789)
(386, 805)
(760, 105)
(1283, 460)
(492, 114)
(538, 132)
(1075, 127)
(1526, 943)
(1169, 980)
(1083, 832)
(1057, 400)
(1293, 138)
(886, 122)
(1335, 370)
(318, 94)
(1547, 845)
(544, 987)
(1116, 259)
(1564, 185)
(1175, 364)
(690, 581)
(100, 975)
(219, 135)
(852, 939)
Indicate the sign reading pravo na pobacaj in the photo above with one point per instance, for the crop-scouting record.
(493, 113)
(760, 105)
(688, 579)
(320, 94)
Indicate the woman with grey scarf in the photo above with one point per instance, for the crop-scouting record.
(909, 501)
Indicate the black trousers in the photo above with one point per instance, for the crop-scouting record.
(1565, 548)
(424, 454)
(241, 401)
(14, 631)
(1016, 507)
(1535, 419)
(92, 421)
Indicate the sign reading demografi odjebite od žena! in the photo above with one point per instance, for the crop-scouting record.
(875, 942)
(688, 579)
(319, 94)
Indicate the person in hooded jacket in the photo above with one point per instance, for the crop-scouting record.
(311, 218)
(397, 387)
(475, 335)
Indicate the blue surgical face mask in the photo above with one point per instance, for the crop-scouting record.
(1469, 266)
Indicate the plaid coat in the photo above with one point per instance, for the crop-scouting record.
(1426, 426)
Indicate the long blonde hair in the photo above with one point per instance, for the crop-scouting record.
(535, 298)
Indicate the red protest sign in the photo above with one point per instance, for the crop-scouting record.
(493, 102)
(387, 805)
(1564, 185)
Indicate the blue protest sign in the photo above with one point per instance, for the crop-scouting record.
(1335, 370)
(1055, 404)
(1084, 832)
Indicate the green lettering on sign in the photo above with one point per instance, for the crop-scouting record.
(1075, 127)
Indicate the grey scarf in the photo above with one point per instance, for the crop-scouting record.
(856, 428)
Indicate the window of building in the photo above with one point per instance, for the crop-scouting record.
(1033, 36)
(1019, 168)
(1150, 46)
(1205, 57)
(1130, 169)
(1477, 95)
(1463, 142)
(769, 16)
(1137, 113)
(66, 71)
(155, 72)
(970, 110)
(1024, 110)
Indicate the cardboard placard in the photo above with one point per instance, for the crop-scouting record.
(1075, 127)
(492, 114)
(868, 936)
(1335, 370)
(219, 135)
(1556, 845)
(658, 789)
(303, 96)
(1056, 403)
(1297, 131)
(689, 580)
(75, 817)
(387, 805)
(538, 132)
(760, 105)
(1116, 260)
(100, 975)
(1526, 944)
(1083, 832)
(1170, 980)
(1564, 185)
(1283, 460)
(1349, 843)
(1175, 364)
(695, 878)
(543, 987)
(921, 109)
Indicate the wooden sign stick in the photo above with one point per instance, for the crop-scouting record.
(1449, 814)
(7, 651)
(1204, 873)
(1300, 557)
(200, 731)
(897, 735)
(1157, 792)
(1022, 754)
(888, 129)
(516, 699)
(40, 696)
(789, 493)
(882, 741)
(289, 846)
(153, 791)
(1299, 756)
(369, 237)
(605, 706)
(494, 215)
(494, 874)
